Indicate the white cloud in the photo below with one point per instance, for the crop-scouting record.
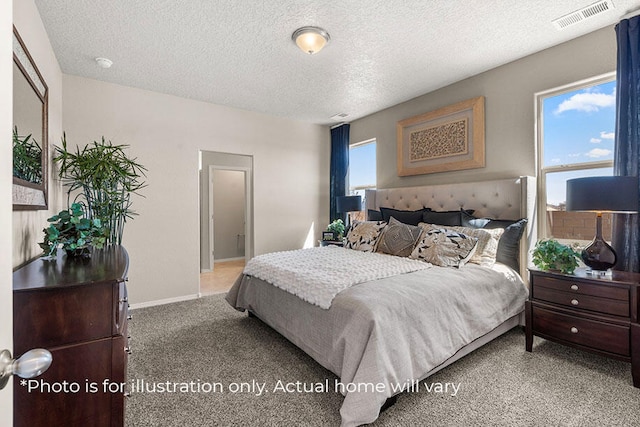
(555, 160)
(595, 140)
(598, 152)
(587, 102)
(607, 135)
(575, 155)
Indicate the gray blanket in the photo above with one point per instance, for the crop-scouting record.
(389, 330)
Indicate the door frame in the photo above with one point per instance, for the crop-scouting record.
(248, 210)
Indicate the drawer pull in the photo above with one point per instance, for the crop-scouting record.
(574, 330)
(129, 317)
(128, 350)
(574, 302)
(574, 287)
(125, 299)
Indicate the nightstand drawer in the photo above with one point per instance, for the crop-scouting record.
(582, 301)
(589, 333)
(582, 288)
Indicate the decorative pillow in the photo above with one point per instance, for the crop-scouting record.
(508, 251)
(445, 248)
(445, 217)
(485, 254)
(374, 215)
(398, 238)
(407, 217)
(363, 235)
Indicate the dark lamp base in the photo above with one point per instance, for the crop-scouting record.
(599, 255)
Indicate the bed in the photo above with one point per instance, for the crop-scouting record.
(380, 334)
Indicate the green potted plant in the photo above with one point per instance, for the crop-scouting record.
(337, 228)
(27, 158)
(74, 233)
(553, 255)
(105, 177)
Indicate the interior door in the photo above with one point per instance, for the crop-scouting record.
(6, 114)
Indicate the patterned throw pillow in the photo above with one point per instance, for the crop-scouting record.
(363, 235)
(445, 248)
(485, 253)
(398, 238)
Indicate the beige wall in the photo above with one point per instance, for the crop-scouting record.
(509, 109)
(6, 300)
(28, 225)
(166, 133)
(228, 214)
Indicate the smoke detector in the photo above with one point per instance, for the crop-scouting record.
(582, 14)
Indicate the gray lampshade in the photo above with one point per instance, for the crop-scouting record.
(348, 204)
(603, 194)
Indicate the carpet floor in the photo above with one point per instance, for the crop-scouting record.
(191, 359)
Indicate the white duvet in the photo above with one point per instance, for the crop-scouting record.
(317, 275)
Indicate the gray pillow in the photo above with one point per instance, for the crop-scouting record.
(398, 238)
(407, 217)
(509, 245)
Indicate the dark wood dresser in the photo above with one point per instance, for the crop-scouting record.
(78, 310)
(599, 314)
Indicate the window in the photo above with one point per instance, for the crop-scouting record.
(575, 132)
(362, 170)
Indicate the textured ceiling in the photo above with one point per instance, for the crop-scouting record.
(239, 53)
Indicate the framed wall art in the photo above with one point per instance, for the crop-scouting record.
(448, 139)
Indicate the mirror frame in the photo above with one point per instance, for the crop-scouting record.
(27, 195)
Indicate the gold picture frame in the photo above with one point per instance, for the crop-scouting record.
(447, 139)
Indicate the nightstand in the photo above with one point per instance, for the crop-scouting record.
(592, 313)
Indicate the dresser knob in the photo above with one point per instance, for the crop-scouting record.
(129, 317)
(574, 287)
(574, 302)
(127, 394)
(574, 330)
(125, 299)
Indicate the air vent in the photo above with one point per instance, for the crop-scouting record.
(339, 116)
(582, 14)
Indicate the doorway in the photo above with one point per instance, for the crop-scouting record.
(226, 238)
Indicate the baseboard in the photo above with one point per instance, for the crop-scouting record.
(163, 301)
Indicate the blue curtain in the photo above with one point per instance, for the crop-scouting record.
(626, 229)
(339, 168)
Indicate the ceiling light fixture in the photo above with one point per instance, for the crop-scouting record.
(310, 40)
(104, 62)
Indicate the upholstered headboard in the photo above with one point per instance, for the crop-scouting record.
(512, 198)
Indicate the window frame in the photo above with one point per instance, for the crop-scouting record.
(542, 171)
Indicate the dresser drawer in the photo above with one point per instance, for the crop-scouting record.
(582, 288)
(589, 333)
(583, 301)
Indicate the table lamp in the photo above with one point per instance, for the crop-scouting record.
(616, 194)
(348, 204)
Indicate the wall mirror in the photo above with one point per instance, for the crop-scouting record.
(30, 107)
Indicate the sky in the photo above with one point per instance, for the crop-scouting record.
(362, 165)
(579, 127)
